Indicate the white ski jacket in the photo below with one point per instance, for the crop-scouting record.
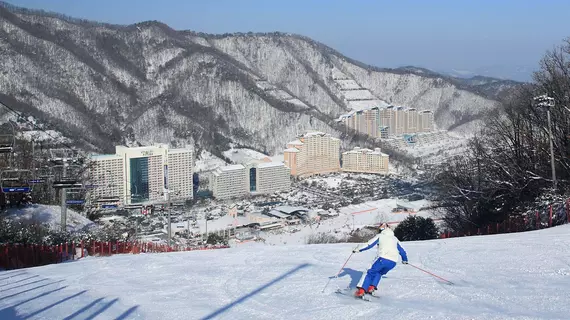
(388, 246)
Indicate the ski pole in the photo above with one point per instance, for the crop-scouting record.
(340, 269)
(430, 273)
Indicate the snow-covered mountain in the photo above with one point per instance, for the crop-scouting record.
(508, 276)
(146, 82)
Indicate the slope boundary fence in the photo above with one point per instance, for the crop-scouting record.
(16, 256)
(553, 215)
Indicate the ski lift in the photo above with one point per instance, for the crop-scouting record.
(71, 178)
(8, 140)
(16, 181)
(75, 196)
(44, 174)
(7, 143)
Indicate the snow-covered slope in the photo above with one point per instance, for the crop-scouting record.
(512, 276)
(49, 215)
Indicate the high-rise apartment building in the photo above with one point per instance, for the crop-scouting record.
(411, 120)
(365, 161)
(390, 121)
(229, 182)
(142, 173)
(269, 177)
(313, 153)
(180, 173)
(106, 175)
(425, 121)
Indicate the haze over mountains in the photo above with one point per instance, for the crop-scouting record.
(143, 83)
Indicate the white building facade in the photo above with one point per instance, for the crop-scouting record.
(269, 177)
(229, 182)
(106, 177)
(365, 161)
(180, 173)
(313, 153)
(142, 173)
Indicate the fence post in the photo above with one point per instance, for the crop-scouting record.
(550, 218)
(568, 209)
(82, 249)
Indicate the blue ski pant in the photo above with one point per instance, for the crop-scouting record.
(372, 277)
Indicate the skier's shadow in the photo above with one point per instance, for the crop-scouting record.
(354, 275)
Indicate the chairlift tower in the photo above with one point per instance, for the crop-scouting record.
(64, 162)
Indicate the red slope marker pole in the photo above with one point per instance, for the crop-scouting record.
(431, 274)
(340, 269)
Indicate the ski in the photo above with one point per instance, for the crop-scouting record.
(350, 293)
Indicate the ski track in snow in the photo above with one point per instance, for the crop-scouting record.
(511, 276)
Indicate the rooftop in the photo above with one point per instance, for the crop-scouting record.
(314, 133)
(96, 157)
(270, 164)
(296, 142)
(180, 150)
(232, 167)
(358, 150)
(289, 209)
(291, 150)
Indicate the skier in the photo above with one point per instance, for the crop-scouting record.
(388, 250)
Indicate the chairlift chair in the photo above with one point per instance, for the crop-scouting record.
(75, 196)
(71, 179)
(16, 181)
(7, 142)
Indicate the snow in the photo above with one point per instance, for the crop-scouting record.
(297, 102)
(232, 167)
(50, 215)
(207, 162)
(42, 136)
(243, 155)
(222, 223)
(362, 94)
(366, 104)
(270, 164)
(351, 218)
(347, 84)
(510, 276)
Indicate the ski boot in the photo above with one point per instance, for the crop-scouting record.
(359, 293)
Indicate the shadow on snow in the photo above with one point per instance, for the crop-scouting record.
(254, 292)
(89, 311)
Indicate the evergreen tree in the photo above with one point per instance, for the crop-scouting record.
(416, 228)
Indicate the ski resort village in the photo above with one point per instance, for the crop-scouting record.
(152, 168)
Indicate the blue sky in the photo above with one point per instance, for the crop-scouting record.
(495, 36)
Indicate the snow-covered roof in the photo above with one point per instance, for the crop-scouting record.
(277, 214)
(179, 150)
(291, 150)
(223, 223)
(358, 150)
(97, 157)
(314, 133)
(296, 143)
(370, 106)
(289, 209)
(232, 167)
(270, 164)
